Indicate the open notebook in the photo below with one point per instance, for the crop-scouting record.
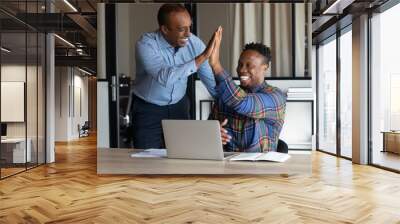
(267, 156)
(150, 153)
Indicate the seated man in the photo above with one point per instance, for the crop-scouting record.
(252, 112)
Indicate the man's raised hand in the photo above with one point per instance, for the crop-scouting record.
(214, 57)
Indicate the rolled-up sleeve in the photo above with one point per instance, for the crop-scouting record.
(205, 72)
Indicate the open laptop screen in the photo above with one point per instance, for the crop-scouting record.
(193, 139)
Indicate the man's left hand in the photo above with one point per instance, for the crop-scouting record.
(224, 133)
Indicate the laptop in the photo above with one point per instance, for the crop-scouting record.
(193, 139)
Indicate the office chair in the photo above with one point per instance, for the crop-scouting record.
(84, 130)
(282, 147)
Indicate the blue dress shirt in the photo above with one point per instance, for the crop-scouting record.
(162, 72)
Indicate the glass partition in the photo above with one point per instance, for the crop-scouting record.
(385, 89)
(327, 96)
(15, 150)
(22, 89)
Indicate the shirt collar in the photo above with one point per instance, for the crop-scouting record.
(257, 88)
(163, 42)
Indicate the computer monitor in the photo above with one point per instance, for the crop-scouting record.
(3, 129)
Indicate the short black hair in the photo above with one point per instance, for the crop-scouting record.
(260, 48)
(165, 10)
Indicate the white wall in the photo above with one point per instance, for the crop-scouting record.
(103, 125)
(71, 102)
(31, 77)
(61, 103)
(102, 86)
(80, 83)
(17, 73)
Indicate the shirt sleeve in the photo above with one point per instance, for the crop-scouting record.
(205, 72)
(149, 56)
(255, 105)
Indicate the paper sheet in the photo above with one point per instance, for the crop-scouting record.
(150, 153)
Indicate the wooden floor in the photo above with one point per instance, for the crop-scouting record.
(5, 172)
(69, 191)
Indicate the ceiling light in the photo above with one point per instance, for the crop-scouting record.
(84, 71)
(70, 5)
(5, 50)
(65, 41)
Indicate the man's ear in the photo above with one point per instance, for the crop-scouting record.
(164, 29)
(265, 67)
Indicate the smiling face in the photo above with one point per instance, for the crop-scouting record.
(177, 29)
(251, 68)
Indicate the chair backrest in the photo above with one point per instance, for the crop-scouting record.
(282, 147)
(86, 125)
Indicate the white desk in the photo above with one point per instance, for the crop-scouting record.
(118, 161)
(16, 147)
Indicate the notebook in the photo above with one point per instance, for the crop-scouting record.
(267, 156)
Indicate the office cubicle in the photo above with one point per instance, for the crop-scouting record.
(22, 77)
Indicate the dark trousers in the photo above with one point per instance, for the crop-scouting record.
(146, 121)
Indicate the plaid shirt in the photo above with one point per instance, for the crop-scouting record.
(255, 116)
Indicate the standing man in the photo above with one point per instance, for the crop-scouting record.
(164, 61)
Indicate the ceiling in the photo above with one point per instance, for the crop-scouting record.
(74, 21)
(331, 15)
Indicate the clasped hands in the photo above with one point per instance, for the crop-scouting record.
(212, 54)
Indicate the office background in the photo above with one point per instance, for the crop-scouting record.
(286, 29)
(23, 87)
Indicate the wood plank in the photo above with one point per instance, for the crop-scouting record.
(70, 191)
